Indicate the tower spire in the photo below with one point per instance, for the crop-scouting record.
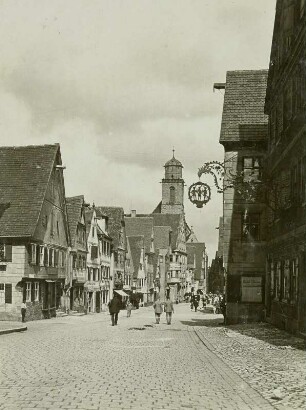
(173, 150)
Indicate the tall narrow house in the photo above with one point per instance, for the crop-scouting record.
(286, 166)
(244, 138)
(77, 267)
(34, 234)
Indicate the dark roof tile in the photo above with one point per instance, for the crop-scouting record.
(243, 115)
(24, 177)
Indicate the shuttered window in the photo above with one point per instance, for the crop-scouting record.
(8, 293)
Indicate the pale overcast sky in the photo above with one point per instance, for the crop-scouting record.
(119, 83)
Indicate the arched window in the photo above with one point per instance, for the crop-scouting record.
(172, 195)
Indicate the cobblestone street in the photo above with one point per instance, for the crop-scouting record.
(82, 362)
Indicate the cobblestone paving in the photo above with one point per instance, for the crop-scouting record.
(270, 360)
(84, 363)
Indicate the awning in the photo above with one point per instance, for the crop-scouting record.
(121, 293)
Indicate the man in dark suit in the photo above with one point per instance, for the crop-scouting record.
(114, 307)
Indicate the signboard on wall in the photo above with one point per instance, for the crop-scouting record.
(251, 289)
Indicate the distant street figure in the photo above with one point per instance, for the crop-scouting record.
(158, 309)
(114, 308)
(23, 311)
(223, 308)
(168, 306)
(129, 308)
(195, 304)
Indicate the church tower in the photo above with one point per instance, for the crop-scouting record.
(173, 188)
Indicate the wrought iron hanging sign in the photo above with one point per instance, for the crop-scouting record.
(199, 194)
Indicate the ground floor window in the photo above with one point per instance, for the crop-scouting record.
(36, 291)
(2, 293)
(28, 291)
(294, 274)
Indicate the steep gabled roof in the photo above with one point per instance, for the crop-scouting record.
(24, 176)
(74, 210)
(115, 220)
(136, 243)
(140, 226)
(195, 252)
(157, 210)
(243, 117)
(161, 241)
(170, 220)
(88, 218)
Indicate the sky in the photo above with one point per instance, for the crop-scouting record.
(119, 83)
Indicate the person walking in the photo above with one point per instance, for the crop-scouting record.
(23, 311)
(158, 309)
(129, 308)
(114, 309)
(196, 304)
(168, 306)
(223, 308)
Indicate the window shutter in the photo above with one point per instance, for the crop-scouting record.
(8, 293)
(8, 253)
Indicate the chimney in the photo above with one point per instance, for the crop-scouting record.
(133, 213)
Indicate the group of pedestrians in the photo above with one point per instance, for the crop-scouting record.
(115, 306)
(160, 307)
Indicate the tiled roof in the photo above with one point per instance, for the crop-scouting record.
(195, 250)
(157, 210)
(136, 243)
(161, 237)
(173, 162)
(243, 115)
(115, 219)
(88, 218)
(74, 209)
(161, 241)
(24, 176)
(140, 226)
(172, 220)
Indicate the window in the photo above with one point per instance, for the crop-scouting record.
(94, 252)
(36, 291)
(250, 227)
(2, 293)
(33, 253)
(172, 195)
(28, 291)
(41, 255)
(63, 259)
(294, 274)
(93, 231)
(5, 252)
(51, 259)
(46, 256)
(286, 281)
(74, 261)
(251, 169)
(277, 281)
(56, 252)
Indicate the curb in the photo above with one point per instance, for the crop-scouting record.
(17, 329)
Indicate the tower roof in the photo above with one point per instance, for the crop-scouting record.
(173, 162)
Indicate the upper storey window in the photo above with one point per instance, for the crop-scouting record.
(172, 195)
(252, 169)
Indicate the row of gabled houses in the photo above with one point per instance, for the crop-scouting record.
(62, 254)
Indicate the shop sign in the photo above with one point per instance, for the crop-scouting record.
(91, 286)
